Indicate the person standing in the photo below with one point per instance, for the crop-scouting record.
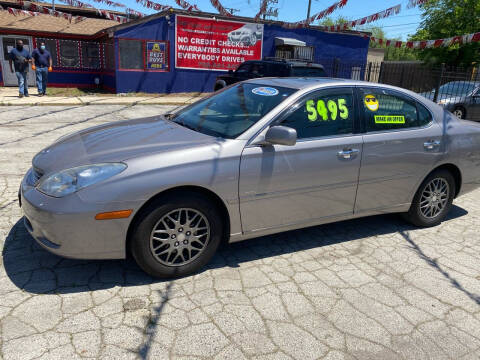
(21, 59)
(42, 66)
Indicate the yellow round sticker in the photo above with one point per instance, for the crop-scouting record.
(371, 102)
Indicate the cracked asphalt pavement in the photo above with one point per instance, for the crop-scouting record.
(373, 288)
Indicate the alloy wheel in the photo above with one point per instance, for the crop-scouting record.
(458, 113)
(179, 237)
(434, 198)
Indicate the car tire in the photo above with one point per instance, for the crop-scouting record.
(162, 227)
(459, 112)
(433, 199)
(220, 84)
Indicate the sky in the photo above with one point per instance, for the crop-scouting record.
(398, 26)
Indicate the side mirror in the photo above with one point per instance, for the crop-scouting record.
(281, 135)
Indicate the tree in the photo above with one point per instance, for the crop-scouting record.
(378, 33)
(328, 21)
(446, 18)
(391, 53)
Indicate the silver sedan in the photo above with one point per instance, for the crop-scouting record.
(259, 157)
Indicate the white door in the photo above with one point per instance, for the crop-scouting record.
(7, 43)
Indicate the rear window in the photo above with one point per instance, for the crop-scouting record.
(275, 70)
(308, 72)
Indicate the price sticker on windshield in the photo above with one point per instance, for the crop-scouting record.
(331, 110)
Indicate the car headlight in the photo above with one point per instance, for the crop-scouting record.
(68, 181)
(443, 102)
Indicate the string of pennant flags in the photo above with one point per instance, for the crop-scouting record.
(107, 14)
(221, 10)
(394, 10)
(153, 5)
(391, 11)
(429, 44)
(317, 16)
(31, 9)
(263, 9)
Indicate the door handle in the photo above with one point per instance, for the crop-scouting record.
(431, 145)
(347, 153)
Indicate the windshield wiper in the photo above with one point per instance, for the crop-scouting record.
(169, 116)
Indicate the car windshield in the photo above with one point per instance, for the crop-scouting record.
(229, 113)
(456, 88)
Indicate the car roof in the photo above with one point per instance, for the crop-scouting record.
(463, 82)
(312, 83)
(304, 82)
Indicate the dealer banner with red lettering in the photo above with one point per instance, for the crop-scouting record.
(202, 43)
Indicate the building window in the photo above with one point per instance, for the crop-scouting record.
(295, 52)
(131, 54)
(69, 56)
(51, 46)
(90, 55)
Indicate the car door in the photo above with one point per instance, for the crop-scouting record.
(313, 180)
(400, 146)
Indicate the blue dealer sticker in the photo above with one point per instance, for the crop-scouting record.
(265, 91)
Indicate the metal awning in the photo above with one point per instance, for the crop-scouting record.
(289, 41)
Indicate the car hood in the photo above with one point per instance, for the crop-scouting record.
(118, 141)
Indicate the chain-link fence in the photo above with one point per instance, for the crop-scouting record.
(455, 88)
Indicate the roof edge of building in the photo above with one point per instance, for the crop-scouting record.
(55, 34)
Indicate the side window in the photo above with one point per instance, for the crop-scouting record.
(424, 116)
(244, 68)
(385, 110)
(323, 113)
(258, 69)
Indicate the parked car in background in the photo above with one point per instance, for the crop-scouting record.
(462, 98)
(270, 68)
(260, 157)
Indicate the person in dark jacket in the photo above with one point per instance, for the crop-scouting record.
(20, 57)
(42, 66)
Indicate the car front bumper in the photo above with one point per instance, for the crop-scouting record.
(67, 226)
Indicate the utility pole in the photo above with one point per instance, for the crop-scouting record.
(309, 6)
(53, 5)
(271, 11)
